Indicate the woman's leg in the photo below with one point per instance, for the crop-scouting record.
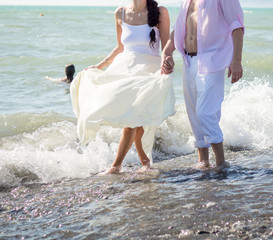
(142, 155)
(126, 141)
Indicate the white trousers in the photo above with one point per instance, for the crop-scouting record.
(204, 94)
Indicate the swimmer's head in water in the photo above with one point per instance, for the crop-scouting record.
(69, 71)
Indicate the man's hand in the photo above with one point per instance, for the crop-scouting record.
(167, 65)
(235, 70)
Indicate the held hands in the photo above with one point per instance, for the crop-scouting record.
(167, 65)
(235, 70)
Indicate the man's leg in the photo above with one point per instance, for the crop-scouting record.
(190, 96)
(203, 157)
(210, 98)
(218, 150)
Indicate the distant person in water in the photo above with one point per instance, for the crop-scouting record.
(69, 72)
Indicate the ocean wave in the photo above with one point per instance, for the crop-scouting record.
(247, 115)
(248, 11)
(27, 122)
(53, 152)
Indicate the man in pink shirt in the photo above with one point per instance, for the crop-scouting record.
(209, 35)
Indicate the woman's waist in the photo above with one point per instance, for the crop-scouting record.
(142, 49)
(135, 63)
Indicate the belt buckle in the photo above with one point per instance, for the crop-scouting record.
(191, 54)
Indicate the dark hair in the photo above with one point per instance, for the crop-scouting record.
(153, 18)
(69, 71)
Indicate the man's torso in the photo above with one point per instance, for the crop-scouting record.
(191, 27)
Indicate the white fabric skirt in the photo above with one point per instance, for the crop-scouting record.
(131, 92)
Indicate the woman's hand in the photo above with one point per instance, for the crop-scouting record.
(92, 66)
(167, 65)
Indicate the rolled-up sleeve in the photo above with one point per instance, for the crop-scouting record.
(233, 14)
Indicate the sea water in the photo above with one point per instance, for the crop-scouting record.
(49, 187)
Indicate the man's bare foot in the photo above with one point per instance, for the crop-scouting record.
(202, 165)
(221, 168)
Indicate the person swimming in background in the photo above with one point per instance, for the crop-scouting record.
(69, 72)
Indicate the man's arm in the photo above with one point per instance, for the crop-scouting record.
(167, 63)
(234, 17)
(235, 69)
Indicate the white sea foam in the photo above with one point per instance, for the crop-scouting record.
(53, 152)
(247, 118)
(174, 136)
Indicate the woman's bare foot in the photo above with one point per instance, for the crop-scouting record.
(114, 170)
(145, 167)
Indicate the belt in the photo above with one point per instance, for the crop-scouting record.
(191, 54)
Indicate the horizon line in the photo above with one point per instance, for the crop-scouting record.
(91, 5)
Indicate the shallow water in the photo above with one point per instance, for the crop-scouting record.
(49, 186)
(172, 201)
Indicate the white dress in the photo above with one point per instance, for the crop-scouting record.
(131, 92)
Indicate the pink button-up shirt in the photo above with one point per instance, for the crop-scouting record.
(216, 21)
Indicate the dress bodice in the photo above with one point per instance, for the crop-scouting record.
(136, 38)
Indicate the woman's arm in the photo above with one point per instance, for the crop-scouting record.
(56, 79)
(164, 26)
(167, 43)
(119, 47)
(167, 63)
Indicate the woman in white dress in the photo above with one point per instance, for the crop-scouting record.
(131, 93)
